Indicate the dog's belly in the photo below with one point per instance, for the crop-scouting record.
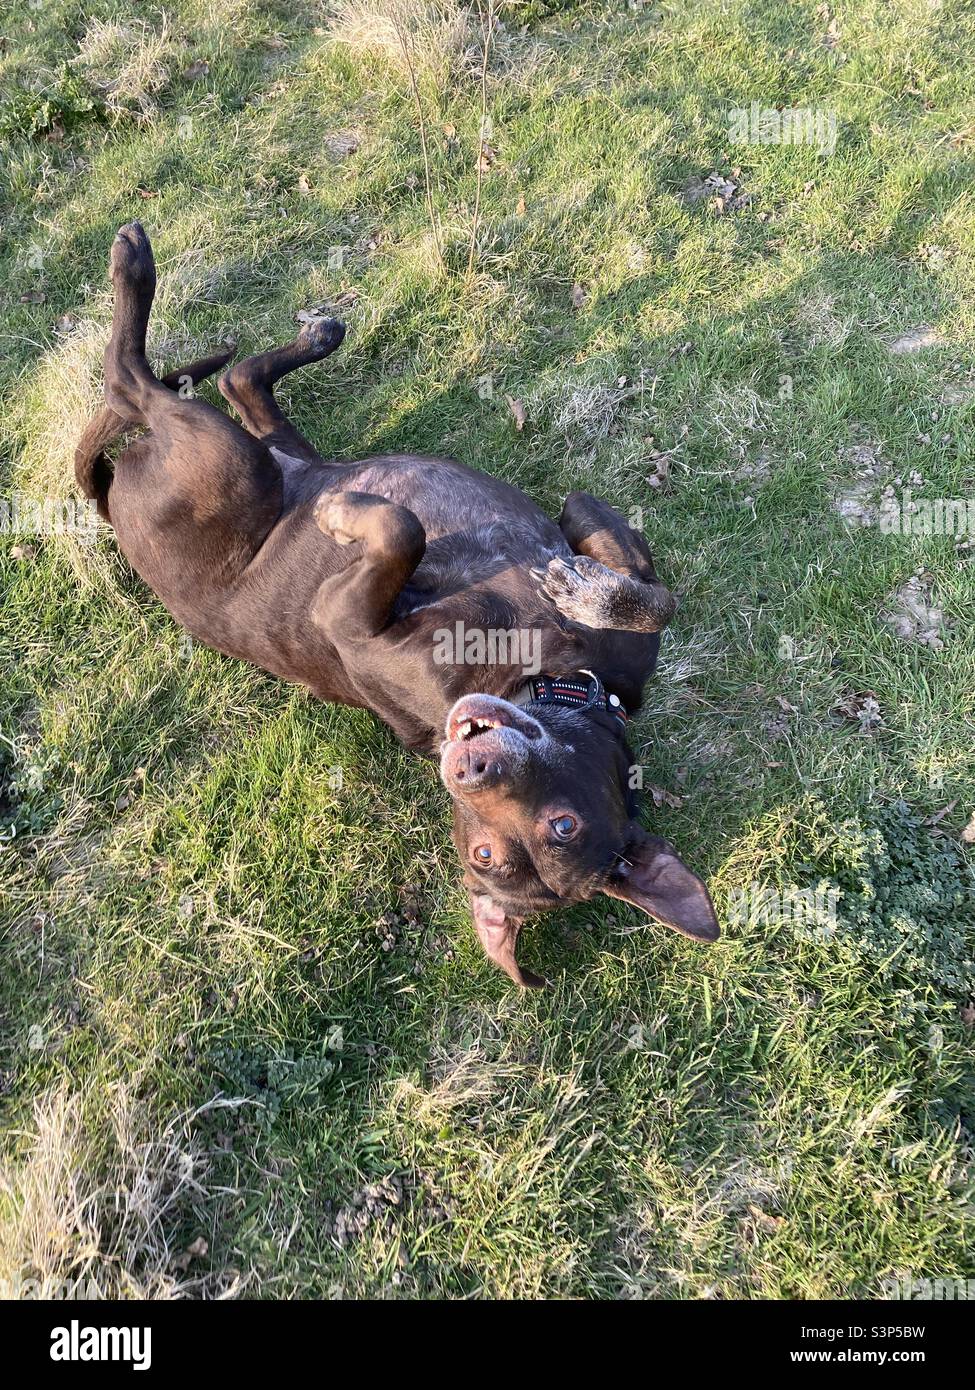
(483, 536)
(482, 533)
(445, 496)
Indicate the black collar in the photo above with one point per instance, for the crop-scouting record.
(584, 690)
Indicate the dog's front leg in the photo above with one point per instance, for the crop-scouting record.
(356, 604)
(610, 583)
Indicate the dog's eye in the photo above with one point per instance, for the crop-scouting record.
(564, 826)
(483, 854)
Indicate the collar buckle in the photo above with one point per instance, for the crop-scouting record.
(596, 694)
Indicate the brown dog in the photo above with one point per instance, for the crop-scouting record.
(440, 598)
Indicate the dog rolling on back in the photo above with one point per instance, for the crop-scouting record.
(357, 579)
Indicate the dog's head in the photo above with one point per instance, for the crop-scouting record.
(544, 816)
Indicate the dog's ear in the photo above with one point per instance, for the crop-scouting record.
(498, 934)
(654, 878)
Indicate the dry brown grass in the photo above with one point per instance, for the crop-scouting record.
(50, 417)
(128, 63)
(464, 1081)
(66, 393)
(93, 1202)
(436, 33)
(821, 322)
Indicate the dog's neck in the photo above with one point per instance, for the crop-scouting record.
(583, 690)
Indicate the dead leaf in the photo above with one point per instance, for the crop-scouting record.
(517, 408)
(147, 193)
(66, 324)
(967, 836)
(33, 297)
(757, 1223)
(725, 194)
(660, 458)
(487, 157)
(196, 1251)
(21, 552)
(303, 185)
(520, 209)
(940, 815)
(861, 706)
(764, 1219)
(578, 296)
(665, 798)
(197, 70)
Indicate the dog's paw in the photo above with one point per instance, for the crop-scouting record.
(321, 335)
(131, 256)
(579, 588)
(587, 593)
(335, 516)
(382, 526)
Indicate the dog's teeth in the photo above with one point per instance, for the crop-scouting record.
(470, 728)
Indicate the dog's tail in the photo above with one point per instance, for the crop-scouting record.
(92, 469)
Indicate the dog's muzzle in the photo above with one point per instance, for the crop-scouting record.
(487, 741)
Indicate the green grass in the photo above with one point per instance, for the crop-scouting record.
(192, 908)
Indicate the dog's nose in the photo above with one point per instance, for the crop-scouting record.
(473, 770)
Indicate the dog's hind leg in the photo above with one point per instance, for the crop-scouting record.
(129, 382)
(200, 470)
(594, 528)
(247, 386)
(132, 391)
(91, 466)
